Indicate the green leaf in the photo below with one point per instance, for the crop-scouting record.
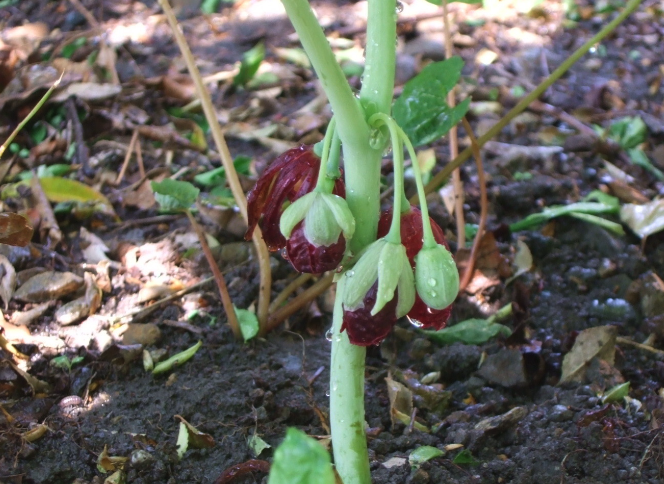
(300, 460)
(465, 458)
(61, 362)
(251, 61)
(606, 204)
(38, 133)
(174, 195)
(629, 131)
(257, 445)
(43, 171)
(210, 6)
(217, 176)
(423, 454)
(59, 190)
(177, 359)
(616, 394)
(422, 110)
(470, 332)
(639, 158)
(248, 323)
(69, 49)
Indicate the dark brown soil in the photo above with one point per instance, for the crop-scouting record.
(232, 390)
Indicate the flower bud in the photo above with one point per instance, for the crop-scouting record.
(386, 264)
(325, 217)
(365, 329)
(436, 277)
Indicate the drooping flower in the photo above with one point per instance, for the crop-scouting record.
(412, 237)
(292, 175)
(365, 329)
(317, 226)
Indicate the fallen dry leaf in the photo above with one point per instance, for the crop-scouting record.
(599, 342)
(47, 286)
(7, 280)
(15, 230)
(644, 220)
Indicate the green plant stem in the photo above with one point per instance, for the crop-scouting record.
(353, 130)
(379, 67)
(441, 176)
(429, 240)
(324, 183)
(347, 403)
(30, 115)
(362, 175)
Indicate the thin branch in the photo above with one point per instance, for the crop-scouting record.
(288, 290)
(484, 207)
(441, 176)
(300, 301)
(125, 163)
(227, 161)
(454, 141)
(218, 277)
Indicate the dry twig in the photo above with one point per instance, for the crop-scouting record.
(227, 161)
(484, 207)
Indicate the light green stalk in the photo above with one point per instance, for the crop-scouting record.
(362, 175)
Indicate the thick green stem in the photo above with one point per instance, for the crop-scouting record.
(353, 128)
(362, 175)
(347, 404)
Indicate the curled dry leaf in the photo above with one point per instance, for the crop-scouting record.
(25, 318)
(94, 248)
(107, 463)
(7, 280)
(190, 436)
(644, 220)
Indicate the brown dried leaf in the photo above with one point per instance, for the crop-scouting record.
(598, 342)
(47, 286)
(7, 280)
(15, 230)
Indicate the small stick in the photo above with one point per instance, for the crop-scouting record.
(125, 163)
(138, 313)
(300, 301)
(218, 277)
(85, 12)
(139, 158)
(484, 207)
(30, 115)
(288, 290)
(454, 142)
(49, 230)
(265, 288)
(82, 151)
(640, 346)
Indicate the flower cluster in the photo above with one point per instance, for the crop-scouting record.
(293, 215)
(367, 322)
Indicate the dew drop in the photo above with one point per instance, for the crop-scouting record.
(399, 8)
(328, 335)
(415, 322)
(433, 293)
(350, 273)
(337, 338)
(432, 282)
(327, 393)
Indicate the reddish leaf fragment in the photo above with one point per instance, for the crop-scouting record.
(14, 230)
(239, 470)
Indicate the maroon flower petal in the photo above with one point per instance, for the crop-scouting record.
(364, 329)
(308, 258)
(424, 317)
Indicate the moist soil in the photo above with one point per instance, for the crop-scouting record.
(518, 423)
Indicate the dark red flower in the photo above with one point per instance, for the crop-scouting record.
(311, 259)
(412, 237)
(292, 175)
(364, 329)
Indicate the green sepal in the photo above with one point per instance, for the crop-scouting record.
(295, 213)
(362, 275)
(393, 266)
(406, 288)
(342, 214)
(325, 217)
(436, 277)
